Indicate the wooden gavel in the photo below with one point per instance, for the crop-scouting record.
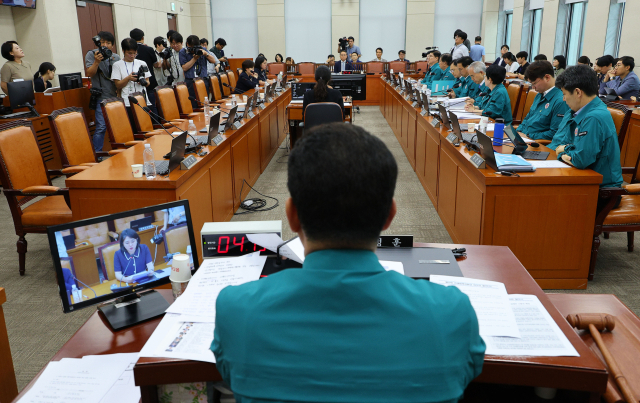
(595, 323)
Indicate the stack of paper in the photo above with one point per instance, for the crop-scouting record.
(511, 162)
(292, 250)
(97, 378)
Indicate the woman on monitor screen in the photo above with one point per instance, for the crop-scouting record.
(132, 258)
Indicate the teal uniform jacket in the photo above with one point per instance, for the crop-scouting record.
(477, 90)
(498, 105)
(342, 329)
(461, 91)
(545, 115)
(591, 141)
(434, 74)
(447, 75)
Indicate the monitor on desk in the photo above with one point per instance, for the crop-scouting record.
(351, 85)
(70, 81)
(119, 255)
(298, 90)
(20, 93)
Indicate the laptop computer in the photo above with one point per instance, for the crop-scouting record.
(298, 90)
(520, 146)
(176, 155)
(444, 117)
(421, 263)
(214, 123)
(141, 224)
(457, 128)
(486, 149)
(226, 124)
(417, 97)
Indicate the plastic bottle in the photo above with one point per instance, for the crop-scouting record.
(149, 162)
(498, 132)
(192, 128)
(233, 100)
(207, 110)
(77, 294)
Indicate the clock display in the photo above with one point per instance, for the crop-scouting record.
(230, 245)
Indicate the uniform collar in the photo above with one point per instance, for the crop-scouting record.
(342, 260)
(544, 95)
(445, 71)
(496, 89)
(583, 112)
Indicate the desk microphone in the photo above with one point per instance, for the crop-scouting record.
(235, 89)
(188, 149)
(94, 292)
(135, 101)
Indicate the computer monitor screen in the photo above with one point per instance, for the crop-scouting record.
(107, 257)
(351, 85)
(298, 89)
(20, 92)
(19, 3)
(70, 81)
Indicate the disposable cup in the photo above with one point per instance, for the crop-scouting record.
(136, 170)
(471, 127)
(180, 271)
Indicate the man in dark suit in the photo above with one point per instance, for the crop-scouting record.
(148, 55)
(343, 64)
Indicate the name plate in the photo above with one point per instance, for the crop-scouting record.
(395, 241)
(423, 112)
(414, 104)
(218, 139)
(261, 106)
(251, 115)
(268, 99)
(435, 123)
(453, 139)
(477, 161)
(188, 162)
(237, 124)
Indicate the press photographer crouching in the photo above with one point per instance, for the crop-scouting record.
(99, 64)
(193, 60)
(131, 74)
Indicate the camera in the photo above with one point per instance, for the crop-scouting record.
(343, 44)
(430, 49)
(95, 95)
(196, 51)
(165, 54)
(141, 78)
(104, 51)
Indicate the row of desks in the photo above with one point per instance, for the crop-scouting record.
(545, 217)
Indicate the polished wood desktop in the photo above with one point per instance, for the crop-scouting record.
(584, 373)
(8, 384)
(545, 217)
(212, 185)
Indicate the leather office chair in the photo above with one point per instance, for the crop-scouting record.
(176, 239)
(216, 91)
(514, 96)
(184, 103)
(232, 78)
(531, 95)
(276, 68)
(141, 120)
(398, 67)
(224, 79)
(200, 89)
(239, 71)
(167, 104)
(375, 67)
(322, 112)
(122, 224)
(106, 254)
(621, 116)
(24, 178)
(95, 234)
(422, 67)
(306, 68)
(118, 127)
(71, 132)
(522, 98)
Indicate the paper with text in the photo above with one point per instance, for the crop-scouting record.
(189, 341)
(293, 250)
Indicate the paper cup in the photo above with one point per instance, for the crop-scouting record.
(180, 271)
(136, 170)
(471, 127)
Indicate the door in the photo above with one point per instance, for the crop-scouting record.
(93, 17)
(172, 21)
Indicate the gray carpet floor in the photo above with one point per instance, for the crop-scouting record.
(38, 328)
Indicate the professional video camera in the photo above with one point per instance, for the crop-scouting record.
(430, 49)
(343, 43)
(196, 50)
(141, 78)
(166, 52)
(104, 51)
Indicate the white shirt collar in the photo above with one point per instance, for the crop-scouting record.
(547, 91)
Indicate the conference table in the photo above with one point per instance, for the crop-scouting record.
(545, 217)
(584, 374)
(212, 185)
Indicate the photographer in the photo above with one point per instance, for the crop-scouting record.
(212, 68)
(219, 53)
(159, 67)
(147, 55)
(99, 63)
(176, 74)
(350, 47)
(126, 73)
(193, 60)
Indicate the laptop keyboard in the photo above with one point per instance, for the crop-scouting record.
(469, 137)
(535, 155)
(19, 115)
(162, 167)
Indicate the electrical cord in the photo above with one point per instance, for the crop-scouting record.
(255, 205)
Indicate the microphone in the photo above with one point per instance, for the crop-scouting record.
(483, 94)
(234, 89)
(188, 149)
(135, 102)
(94, 292)
(431, 47)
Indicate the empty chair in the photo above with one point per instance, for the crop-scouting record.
(239, 71)
(224, 79)
(24, 178)
(200, 89)
(118, 127)
(176, 239)
(375, 67)
(232, 78)
(514, 96)
(276, 68)
(106, 254)
(184, 103)
(422, 67)
(321, 112)
(306, 68)
(216, 90)
(398, 67)
(168, 105)
(141, 120)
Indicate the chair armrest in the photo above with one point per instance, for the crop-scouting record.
(40, 189)
(113, 235)
(633, 189)
(132, 143)
(628, 170)
(544, 142)
(54, 172)
(102, 154)
(139, 136)
(89, 164)
(198, 109)
(117, 151)
(153, 133)
(74, 169)
(609, 195)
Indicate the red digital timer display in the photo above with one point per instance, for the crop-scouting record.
(230, 245)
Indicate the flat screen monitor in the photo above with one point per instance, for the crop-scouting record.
(19, 3)
(20, 92)
(351, 85)
(104, 258)
(70, 81)
(298, 89)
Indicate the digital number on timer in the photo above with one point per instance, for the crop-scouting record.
(224, 242)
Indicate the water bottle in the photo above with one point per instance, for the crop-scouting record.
(192, 128)
(498, 132)
(206, 108)
(149, 162)
(77, 294)
(233, 100)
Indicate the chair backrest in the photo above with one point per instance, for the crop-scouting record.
(96, 234)
(239, 71)
(375, 67)
(422, 67)
(226, 91)
(71, 132)
(122, 224)
(322, 112)
(306, 68)
(182, 95)
(141, 120)
(21, 162)
(176, 239)
(166, 102)
(276, 68)
(200, 89)
(531, 95)
(398, 67)
(216, 92)
(232, 78)
(117, 120)
(514, 92)
(106, 254)
(621, 118)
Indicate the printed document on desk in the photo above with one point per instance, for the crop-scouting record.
(490, 301)
(540, 335)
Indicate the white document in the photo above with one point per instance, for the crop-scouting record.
(293, 250)
(466, 115)
(165, 327)
(550, 164)
(395, 266)
(540, 335)
(490, 301)
(189, 341)
(124, 390)
(198, 303)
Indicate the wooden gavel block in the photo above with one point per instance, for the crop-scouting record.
(601, 321)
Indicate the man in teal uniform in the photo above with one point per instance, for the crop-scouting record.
(587, 136)
(467, 82)
(548, 108)
(342, 328)
(445, 66)
(497, 103)
(434, 73)
(477, 72)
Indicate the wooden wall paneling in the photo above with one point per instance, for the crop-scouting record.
(240, 163)
(421, 148)
(265, 140)
(221, 174)
(432, 165)
(411, 136)
(448, 180)
(404, 129)
(86, 29)
(273, 131)
(383, 97)
(468, 216)
(631, 148)
(172, 22)
(282, 122)
(253, 137)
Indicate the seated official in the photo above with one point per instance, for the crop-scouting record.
(248, 79)
(587, 137)
(46, 73)
(622, 79)
(521, 60)
(401, 57)
(548, 108)
(497, 103)
(331, 61)
(467, 84)
(342, 328)
(500, 61)
(379, 56)
(16, 68)
(279, 58)
(477, 72)
(343, 64)
(322, 92)
(132, 258)
(260, 68)
(433, 59)
(559, 64)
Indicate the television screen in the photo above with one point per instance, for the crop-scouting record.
(106, 257)
(19, 3)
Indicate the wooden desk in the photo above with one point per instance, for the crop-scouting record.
(545, 217)
(584, 373)
(8, 385)
(212, 186)
(294, 117)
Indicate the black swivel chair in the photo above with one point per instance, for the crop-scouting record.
(322, 112)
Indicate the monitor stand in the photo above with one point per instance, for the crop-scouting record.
(134, 308)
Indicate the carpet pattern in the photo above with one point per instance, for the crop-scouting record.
(38, 328)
